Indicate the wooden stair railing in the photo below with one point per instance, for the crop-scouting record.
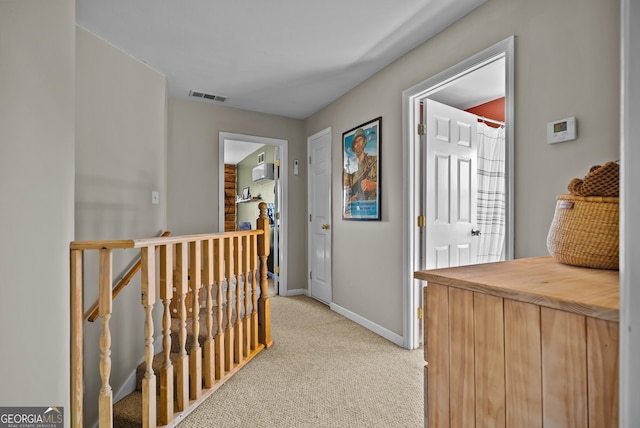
(91, 314)
(195, 264)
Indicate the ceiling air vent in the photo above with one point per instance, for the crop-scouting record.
(196, 94)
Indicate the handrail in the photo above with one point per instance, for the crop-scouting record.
(92, 313)
(177, 274)
(145, 242)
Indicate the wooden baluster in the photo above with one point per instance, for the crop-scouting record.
(209, 352)
(254, 292)
(238, 329)
(218, 270)
(195, 354)
(76, 339)
(246, 322)
(182, 363)
(166, 371)
(264, 306)
(228, 332)
(105, 401)
(148, 297)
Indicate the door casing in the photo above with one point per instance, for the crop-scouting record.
(281, 189)
(412, 203)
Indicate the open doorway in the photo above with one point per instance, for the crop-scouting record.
(457, 85)
(463, 177)
(269, 157)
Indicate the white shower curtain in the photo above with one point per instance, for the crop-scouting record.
(491, 193)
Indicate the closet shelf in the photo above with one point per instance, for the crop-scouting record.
(243, 201)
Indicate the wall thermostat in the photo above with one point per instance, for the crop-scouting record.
(561, 130)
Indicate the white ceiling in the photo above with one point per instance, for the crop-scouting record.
(478, 87)
(283, 57)
(235, 151)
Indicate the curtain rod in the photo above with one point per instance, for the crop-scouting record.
(486, 119)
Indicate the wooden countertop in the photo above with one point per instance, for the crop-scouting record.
(541, 281)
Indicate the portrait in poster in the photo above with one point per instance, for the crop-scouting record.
(361, 171)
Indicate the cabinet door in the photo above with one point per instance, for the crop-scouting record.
(489, 355)
(462, 358)
(523, 377)
(602, 368)
(564, 369)
(437, 354)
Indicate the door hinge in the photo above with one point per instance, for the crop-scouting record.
(277, 269)
(420, 313)
(421, 221)
(421, 129)
(309, 217)
(310, 275)
(277, 162)
(309, 160)
(277, 216)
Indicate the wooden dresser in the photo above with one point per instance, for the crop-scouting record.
(523, 343)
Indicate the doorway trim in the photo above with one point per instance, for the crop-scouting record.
(282, 149)
(629, 373)
(411, 163)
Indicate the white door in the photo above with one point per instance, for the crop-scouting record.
(451, 186)
(319, 232)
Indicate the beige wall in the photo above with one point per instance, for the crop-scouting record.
(192, 172)
(120, 160)
(567, 64)
(120, 143)
(36, 188)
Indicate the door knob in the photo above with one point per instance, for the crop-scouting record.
(325, 226)
(475, 232)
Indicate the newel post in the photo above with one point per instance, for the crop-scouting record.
(264, 306)
(77, 376)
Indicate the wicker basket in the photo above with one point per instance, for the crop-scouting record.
(585, 231)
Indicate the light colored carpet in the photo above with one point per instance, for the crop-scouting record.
(323, 370)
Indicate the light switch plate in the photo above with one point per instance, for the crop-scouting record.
(155, 197)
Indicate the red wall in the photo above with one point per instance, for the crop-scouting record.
(492, 110)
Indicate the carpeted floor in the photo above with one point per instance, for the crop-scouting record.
(322, 371)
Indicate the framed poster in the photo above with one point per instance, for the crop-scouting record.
(361, 171)
(246, 194)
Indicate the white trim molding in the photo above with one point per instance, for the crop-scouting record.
(629, 369)
(296, 292)
(379, 330)
(283, 146)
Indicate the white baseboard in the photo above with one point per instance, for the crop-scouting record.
(127, 387)
(296, 292)
(387, 334)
